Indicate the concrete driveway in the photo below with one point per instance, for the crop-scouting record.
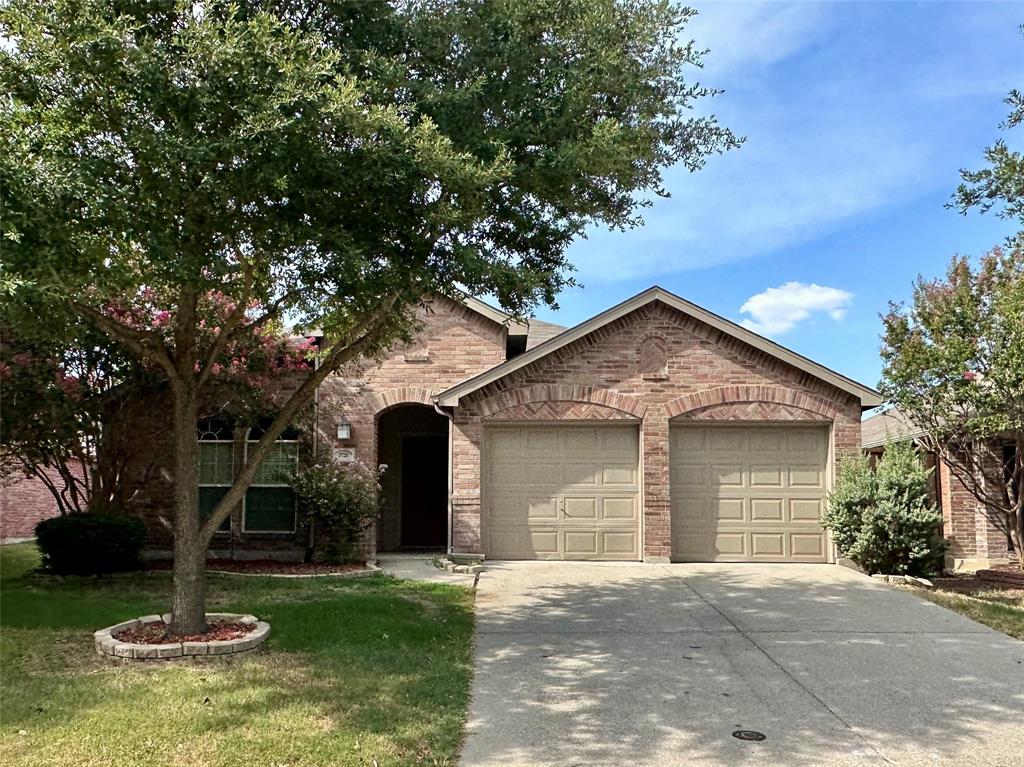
(614, 664)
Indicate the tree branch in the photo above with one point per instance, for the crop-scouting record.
(362, 337)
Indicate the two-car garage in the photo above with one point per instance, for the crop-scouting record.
(749, 492)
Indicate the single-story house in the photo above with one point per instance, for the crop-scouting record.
(975, 541)
(654, 431)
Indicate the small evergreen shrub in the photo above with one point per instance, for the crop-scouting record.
(882, 518)
(341, 500)
(90, 544)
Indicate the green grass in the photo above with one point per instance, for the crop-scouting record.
(993, 607)
(356, 672)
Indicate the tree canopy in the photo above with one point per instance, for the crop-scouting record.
(326, 163)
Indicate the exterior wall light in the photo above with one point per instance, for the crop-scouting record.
(344, 430)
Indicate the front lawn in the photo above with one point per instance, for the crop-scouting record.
(1000, 608)
(356, 672)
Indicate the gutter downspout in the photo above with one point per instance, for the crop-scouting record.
(451, 472)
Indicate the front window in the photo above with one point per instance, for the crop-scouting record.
(216, 468)
(270, 500)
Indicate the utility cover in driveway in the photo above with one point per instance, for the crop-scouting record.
(561, 492)
(748, 493)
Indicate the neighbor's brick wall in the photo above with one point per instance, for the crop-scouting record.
(703, 374)
(970, 532)
(25, 501)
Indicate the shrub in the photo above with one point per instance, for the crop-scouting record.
(882, 518)
(341, 500)
(90, 544)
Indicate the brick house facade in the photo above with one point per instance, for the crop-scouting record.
(628, 386)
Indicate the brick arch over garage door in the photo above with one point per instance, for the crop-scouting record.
(728, 395)
(561, 393)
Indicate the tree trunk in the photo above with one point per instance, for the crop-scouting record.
(189, 606)
(1017, 533)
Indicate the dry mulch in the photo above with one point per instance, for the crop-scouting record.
(267, 567)
(156, 633)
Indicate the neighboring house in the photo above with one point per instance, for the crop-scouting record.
(975, 542)
(24, 502)
(653, 431)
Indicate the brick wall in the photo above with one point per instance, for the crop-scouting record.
(974, 539)
(25, 501)
(653, 365)
(455, 343)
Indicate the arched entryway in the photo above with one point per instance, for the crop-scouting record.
(412, 441)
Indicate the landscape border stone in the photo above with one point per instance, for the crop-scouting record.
(109, 646)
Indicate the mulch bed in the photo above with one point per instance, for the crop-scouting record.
(267, 567)
(1003, 576)
(156, 633)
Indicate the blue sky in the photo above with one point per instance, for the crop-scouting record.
(857, 117)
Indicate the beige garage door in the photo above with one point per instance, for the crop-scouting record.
(561, 492)
(748, 493)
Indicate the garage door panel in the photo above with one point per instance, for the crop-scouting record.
(810, 545)
(760, 502)
(509, 474)
(622, 474)
(691, 511)
(766, 509)
(581, 544)
(727, 509)
(728, 475)
(805, 509)
(564, 491)
(619, 544)
(619, 509)
(805, 476)
(688, 475)
(577, 509)
(768, 544)
(765, 476)
(581, 474)
(731, 544)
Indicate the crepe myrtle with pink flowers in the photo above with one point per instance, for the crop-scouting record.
(62, 388)
(954, 365)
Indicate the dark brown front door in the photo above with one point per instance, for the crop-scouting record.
(424, 491)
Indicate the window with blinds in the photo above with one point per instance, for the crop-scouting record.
(216, 475)
(270, 500)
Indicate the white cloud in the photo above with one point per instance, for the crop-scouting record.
(778, 310)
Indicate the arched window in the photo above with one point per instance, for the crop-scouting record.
(216, 466)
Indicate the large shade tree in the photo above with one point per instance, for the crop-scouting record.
(325, 162)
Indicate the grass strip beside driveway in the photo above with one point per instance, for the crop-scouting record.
(356, 672)
(1001, 609)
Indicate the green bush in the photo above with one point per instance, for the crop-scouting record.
(882, 517)
(90, 544)
(341, 500)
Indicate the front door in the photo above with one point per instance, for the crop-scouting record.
(424, 491)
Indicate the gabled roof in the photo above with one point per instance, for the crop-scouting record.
(867, 396)
(885, 427)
